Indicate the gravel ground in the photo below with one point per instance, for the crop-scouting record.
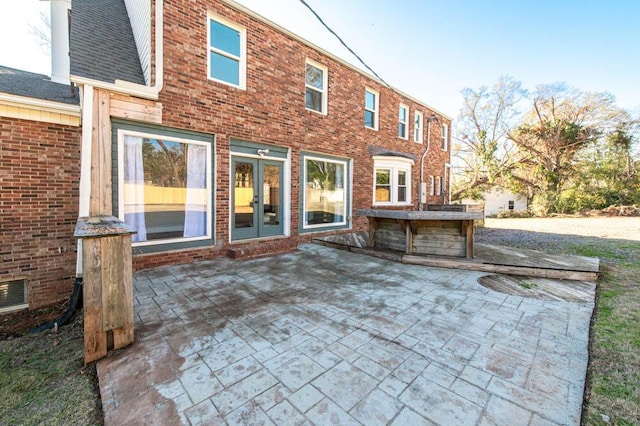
(554, 235)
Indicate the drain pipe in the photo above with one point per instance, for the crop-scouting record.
(422, 190)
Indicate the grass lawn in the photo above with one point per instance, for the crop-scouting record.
(43, 380)
(613, 378)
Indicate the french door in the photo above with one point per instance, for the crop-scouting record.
(257, 198)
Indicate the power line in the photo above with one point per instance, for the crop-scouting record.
(343, 43)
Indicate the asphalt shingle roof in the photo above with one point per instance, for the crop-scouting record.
(32, 85)
(102, 44)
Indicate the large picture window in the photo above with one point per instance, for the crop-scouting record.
(392, 181)
(164, 187)
(325, 192)
(226, 52)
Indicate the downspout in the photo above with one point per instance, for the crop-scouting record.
(85, 164)
(424, 154)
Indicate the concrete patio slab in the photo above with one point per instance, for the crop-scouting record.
(323, 336)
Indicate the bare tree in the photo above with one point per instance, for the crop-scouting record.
(42, 32)
(483, 152)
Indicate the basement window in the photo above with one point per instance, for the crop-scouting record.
(13, 296)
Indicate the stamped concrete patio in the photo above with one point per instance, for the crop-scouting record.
(323, 336)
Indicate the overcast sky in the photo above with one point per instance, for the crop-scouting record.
(433, 49)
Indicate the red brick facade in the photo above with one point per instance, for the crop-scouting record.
(39, 175)
(271, 110)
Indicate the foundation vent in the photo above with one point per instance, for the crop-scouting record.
(13, 295)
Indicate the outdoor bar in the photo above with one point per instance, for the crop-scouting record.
(431, 232)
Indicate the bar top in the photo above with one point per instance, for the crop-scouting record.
(419, 215)
(101, 226)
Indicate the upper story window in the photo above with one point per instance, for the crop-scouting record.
(227, 52)
(403, 122)
(445, 136)
(417, 127)
(392, 181)
(371, 109)
(316, 87)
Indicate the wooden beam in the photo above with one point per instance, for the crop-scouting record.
(135, 109)
(469, 226)
(500, 269)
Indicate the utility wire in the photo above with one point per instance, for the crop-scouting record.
(343, 43)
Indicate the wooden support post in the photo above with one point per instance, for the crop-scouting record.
(108, 284)
(373, 229)
(468, 224)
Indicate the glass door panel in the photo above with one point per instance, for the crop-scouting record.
(271, 198)
(245, 199)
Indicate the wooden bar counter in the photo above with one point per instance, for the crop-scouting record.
(438, 233)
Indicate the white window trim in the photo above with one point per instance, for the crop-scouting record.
(445, 137)
(210, 231)
(377, 108)
(405, 122)
(438, 185)
(418, 133)
(325, 85)
(347, 188)
(432, 185)
(394, 164)
(242, 65)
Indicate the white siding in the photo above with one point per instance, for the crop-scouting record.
(497, 200)
(140, 17)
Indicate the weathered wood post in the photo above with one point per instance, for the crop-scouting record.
(107, 284)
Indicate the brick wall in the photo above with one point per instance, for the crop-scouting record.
(272, 111)
(39, 174)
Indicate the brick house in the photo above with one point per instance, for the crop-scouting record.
(214, 132)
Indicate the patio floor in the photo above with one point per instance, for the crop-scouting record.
(323, 336)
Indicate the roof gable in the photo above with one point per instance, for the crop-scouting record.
(101, 42)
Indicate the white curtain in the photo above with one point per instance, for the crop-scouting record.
(134, 187)
(195, 215)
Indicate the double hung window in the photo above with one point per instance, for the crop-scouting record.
(445, 137)
(403, 122)
(227, 52)
(316, 87)
(371, 109)
(417, 127)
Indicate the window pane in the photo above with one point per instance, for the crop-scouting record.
(401, 129)
(313, 100)
(402, 178)
(225, 69)
(402, 114)
(369, 119)
(314, 77)
(165, 190)
(369, 100)
(324, 192)
(383, 186)
(225, 38)
(402, 194)
(244, 195)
